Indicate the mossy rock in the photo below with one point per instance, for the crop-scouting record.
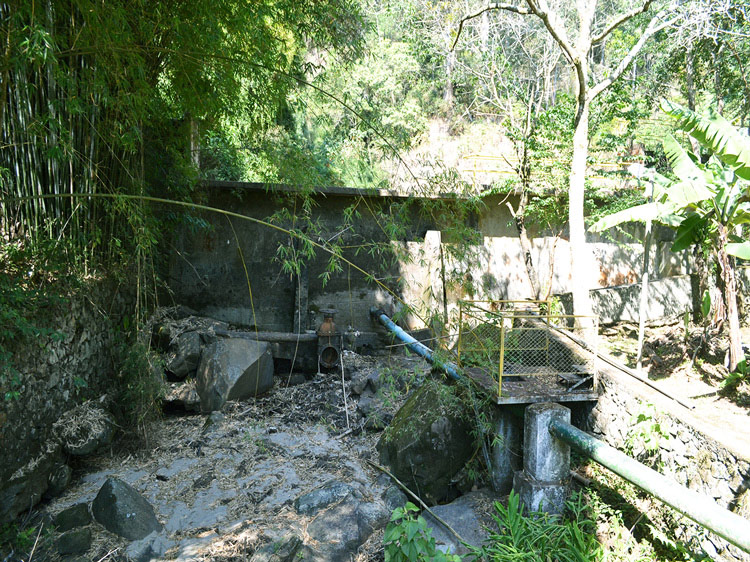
(428, 441)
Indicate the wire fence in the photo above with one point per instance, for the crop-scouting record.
(519, 339)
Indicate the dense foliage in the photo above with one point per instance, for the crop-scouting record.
(103, 104)
(114, 98)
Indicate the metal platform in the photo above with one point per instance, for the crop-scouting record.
(520, 353)
(533, 388)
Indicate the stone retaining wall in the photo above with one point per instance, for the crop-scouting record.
(689, 451)
(56, 374)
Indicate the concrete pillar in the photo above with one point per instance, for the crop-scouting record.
(434, 294)
(506, 454)
(543, 483)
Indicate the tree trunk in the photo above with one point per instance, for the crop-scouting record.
(690, 90)
(689, 78)
(524, 172)
(579, 252)
(718, 83)
(195, 149)
(520, 219)
(643, 308)
(448, 94)
(729, 280)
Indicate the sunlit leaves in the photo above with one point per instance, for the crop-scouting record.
(716, 134)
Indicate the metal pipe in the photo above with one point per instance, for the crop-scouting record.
(617, 365)
(419, 348)
(697, 507)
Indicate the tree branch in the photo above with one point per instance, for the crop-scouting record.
(494, 6)
(555, 28)
(619, 20)
(652, 28)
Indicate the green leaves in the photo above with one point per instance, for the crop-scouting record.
(702, 195)
(739, 249)
(537, 537)
(682, 164)
(688, 232)
(408, 539)
(655, 211)
(716, 134)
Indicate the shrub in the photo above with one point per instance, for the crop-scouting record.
(408, 539)
(540, 537)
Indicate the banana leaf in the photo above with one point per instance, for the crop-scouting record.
(688, 232)
(656, 211)
(716, 134)
(739, 249)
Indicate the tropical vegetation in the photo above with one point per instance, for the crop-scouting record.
(111, 110)
(706, 202)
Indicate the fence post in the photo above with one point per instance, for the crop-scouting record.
(501, 362)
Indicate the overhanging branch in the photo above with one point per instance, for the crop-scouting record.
(654, 26)
(556, 29)
(616, 22)
(494, 6)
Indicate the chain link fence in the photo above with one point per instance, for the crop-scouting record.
(519, 339)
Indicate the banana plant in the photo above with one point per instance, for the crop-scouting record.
(708, 201)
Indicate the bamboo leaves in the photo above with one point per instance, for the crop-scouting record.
(94, 97)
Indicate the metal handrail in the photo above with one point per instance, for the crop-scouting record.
(697, 507)
(504, 315)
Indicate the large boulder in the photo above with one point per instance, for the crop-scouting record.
(470, 516)
(323, 496)
(233, 369)
(182, 396)
(153, 546)
(184, 355)
(123, 511)
(282, 550)
(76, 541)
(340, 530)
(84, 429)
(75, 516)
(58, 480)
(26, 486)
(428, 441)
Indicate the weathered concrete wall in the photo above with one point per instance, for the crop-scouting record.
(692, 452)
(56, 374)
(668, 298)
(615, 258)
(207, 272)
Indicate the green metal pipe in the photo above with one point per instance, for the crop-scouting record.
(699, 508)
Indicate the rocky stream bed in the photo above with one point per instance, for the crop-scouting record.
(264, 464)
(288, 475)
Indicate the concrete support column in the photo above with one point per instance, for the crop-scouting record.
(543, 483)
(434, 293)
(506, 454)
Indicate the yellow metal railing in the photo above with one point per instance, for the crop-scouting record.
(523, 338)
(500, 165)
